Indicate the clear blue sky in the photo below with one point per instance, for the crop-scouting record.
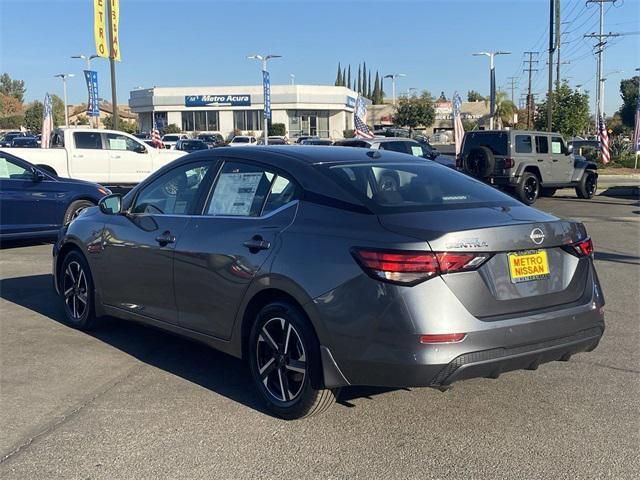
(186, 43)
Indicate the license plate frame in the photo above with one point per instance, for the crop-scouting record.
(528, 265)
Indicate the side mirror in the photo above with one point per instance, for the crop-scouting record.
(140, 149)
(570, 149)
(38, 176)
(111, 204)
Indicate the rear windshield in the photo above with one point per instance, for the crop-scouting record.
(497, 142)
(400, 187)
(171, 138)
(241, 140)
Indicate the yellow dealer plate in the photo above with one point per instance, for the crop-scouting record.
(526, 266)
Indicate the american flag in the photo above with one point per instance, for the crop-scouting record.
(636, 130)
(603, 136)
(155, 135)
(458, 128)
(360, 119)
(47, 122)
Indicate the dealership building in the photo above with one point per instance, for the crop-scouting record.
(325, 111)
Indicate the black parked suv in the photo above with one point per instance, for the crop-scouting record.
(528, 163)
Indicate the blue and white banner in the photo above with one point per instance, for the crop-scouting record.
(224, 100)
(266, 84)
(93, 107)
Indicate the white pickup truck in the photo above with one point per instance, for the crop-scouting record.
(107, 157)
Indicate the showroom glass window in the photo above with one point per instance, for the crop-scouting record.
(308, 122)
(200, 121)
(244, 190)
(247, 120)
(173, 193)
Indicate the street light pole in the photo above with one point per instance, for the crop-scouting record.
(393, 77)
(293, 78)
(64, 77)
(263, 59)
(492, 82)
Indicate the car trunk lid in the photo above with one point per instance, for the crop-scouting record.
(495, 289)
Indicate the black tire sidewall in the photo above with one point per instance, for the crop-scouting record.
(301, 406)
(582, 190)
(520, 189)
(74, 207)
(87, 321)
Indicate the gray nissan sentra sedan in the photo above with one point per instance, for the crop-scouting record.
(332, 266)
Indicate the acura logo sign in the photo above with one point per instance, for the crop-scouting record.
(537, 236)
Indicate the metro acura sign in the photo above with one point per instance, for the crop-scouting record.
(231, 100)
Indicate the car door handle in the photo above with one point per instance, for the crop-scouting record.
(541, 159)
(555, 159)
(116, 156)
(78, 156)
(257, 243)
(166, 238)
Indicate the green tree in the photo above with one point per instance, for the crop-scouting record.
(629, 94)
(173, 128)
(127, 126)
(377, 91)
(359, 80)
(348, 77)
(33, 117)
(13, 88)
(505, 108)
(82, 120)
(570, 112)
(57, 107)
(277, 129)
(364, 80)
(9, 106)
(415, 112)
(473, 96)
(339, 79)
(12, 122)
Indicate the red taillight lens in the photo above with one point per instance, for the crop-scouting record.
(509, 163)
(442, 338)
(581, 249)
(410, 268)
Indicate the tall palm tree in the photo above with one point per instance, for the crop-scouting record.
(505, 109)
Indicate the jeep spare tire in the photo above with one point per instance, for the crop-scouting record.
(479, 162)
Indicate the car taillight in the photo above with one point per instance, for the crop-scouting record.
(581, 249)
(442, 338)
(411, 268)
(509, 163)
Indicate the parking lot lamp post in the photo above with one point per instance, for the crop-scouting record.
(393, 77)
(263, 59)
(293, 78)
(64, 77)
(492, 81)
(87, 59)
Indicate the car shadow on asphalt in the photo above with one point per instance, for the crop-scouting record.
(617, 257)
(188, 359)
(31, 242)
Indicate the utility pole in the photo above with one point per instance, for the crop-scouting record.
(530, 70)
(513, 88)
(552, 14)
(601, 36)
(112, 64)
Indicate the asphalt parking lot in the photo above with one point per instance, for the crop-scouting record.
(128, 401)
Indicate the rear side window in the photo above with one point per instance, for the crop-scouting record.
(523, 144)
(394, 146)
(88, 140)
(497, 142)
(398, 188)
(352, 143)
(542, 144)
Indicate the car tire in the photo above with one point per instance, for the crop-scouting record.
(76, 288)
(75, 208)
(548, 192)
(588, 185)
(528, 188)
(284, 356)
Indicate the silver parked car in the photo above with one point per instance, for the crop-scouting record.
(326, 267)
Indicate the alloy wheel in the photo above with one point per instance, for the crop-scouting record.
(281, 360)
(75, 290)
(531, 188)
